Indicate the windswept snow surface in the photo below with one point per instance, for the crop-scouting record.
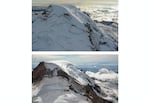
(64, 27)
(108, 81)
(71, 98)
(56, 90)
(72, 71)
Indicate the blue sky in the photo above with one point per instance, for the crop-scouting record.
(76, 2)
(76, 59)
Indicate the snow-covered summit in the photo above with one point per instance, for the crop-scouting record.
(72, 71)
(57, 80)
(65, 27)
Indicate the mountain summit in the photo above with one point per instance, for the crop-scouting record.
(65, 27)
(62, 82)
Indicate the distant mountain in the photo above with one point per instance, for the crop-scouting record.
(65, 27)
(96, 66)
(62, 82)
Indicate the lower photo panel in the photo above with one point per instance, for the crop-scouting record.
(74, 78)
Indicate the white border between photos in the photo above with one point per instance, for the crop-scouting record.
(75, 52)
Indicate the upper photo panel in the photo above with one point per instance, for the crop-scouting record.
(74, 25)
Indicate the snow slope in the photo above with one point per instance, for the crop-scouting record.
(66, 28)
(72, 71)
(56, 90)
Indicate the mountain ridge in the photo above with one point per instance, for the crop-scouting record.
(65, 27)
(80, 84)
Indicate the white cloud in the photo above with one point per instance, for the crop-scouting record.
(77, 59)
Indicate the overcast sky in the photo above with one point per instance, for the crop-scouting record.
(76, 2)
(76, 59)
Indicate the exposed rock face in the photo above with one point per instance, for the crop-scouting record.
(63, 74)
(38, 72)
(90, 91)
(93, 96)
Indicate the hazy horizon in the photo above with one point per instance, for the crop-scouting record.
(75, 2)
(77, 59)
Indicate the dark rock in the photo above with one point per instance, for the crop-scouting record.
(63, 74)
(38, 72)
(90, 93)
(86, 13)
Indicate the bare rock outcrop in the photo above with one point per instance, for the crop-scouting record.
(38, 72)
